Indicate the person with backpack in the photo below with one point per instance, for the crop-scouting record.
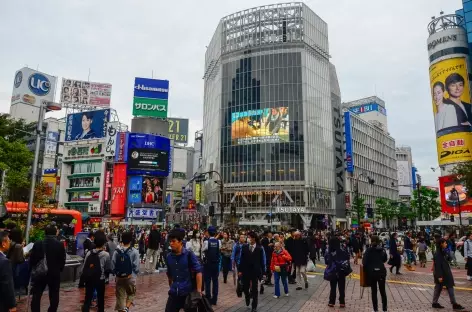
(97, 265)
(211, 265)
(374, 267)
(184, 273)
(47, 260)
(337, 268)
(467, 248)
(125, 264)
(110, 247)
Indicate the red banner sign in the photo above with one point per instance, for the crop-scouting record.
(453, 194)
(118, 194)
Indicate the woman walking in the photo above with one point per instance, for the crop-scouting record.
(373, 262)
(195, 245)
(142, 246)
(227, 245)
(279, 266)
(337, 261)
(395, 258)
(443, 276)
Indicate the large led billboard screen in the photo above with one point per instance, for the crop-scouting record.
(145, 190)
(87, 125)
(452, 110)
(148, 153)
(453, 193)
(266, 125)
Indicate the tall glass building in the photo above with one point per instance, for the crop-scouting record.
(268, 125)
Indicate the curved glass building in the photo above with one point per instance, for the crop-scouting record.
(269, 127)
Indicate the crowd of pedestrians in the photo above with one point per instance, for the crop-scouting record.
(194, 259)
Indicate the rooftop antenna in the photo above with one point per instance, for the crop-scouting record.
(152, 74)
(88, 79)
(441, 13)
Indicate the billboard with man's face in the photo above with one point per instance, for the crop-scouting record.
(87, 125)
(266, 125)
(452, 110)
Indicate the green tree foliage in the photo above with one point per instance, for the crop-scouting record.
(358, 207)
(464, 173)
(426, 205)
(15, 158)
(386, 210)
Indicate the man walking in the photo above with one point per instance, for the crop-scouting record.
(252, 267)
(7, 288)
(468, 255)
(300, 259)
(211, 266)
(267, 243)
(54, 253)
(153, 250)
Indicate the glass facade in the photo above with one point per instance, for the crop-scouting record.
(268, 120)
(466, 12)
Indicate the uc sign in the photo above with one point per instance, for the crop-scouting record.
(39, 84)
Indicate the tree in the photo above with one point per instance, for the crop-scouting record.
(14, 130)
(41, 194)
(386, 209)
(464, 171)
(359, 207)
(426, 205)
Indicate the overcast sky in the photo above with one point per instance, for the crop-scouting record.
(378, 47)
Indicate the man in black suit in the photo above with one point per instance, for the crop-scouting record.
(56, 260)
(7, 288)
(252, 267)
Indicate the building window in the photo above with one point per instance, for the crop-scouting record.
(92, 167)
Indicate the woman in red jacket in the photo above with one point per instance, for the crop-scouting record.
(278, 265)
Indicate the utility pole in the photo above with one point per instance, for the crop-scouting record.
(418, 190)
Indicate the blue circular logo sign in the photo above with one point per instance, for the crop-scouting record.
(18, 79)
(39, 84)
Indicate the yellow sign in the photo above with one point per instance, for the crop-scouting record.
(452, 110)
(197, 192)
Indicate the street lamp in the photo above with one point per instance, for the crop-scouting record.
(44, 107)
(358, 209)
(456, 194)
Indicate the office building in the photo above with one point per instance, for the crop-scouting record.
(405, 172)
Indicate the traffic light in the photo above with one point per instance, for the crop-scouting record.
(233, 211)
(211, 211)
(370, 213)
(452, 218)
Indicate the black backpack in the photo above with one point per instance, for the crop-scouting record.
(92, 268)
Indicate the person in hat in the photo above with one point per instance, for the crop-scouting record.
(211, 265)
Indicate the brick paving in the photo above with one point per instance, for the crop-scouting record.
(409, 292)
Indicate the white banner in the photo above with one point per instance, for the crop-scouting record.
(110, 141)
(94, 208)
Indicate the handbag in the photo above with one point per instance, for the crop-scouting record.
(193, 298)
(41, 268)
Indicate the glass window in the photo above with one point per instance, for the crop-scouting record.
(467, 6)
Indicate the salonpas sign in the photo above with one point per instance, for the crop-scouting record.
(149, 107)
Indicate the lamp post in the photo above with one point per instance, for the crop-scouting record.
(43, 108)
(358, 209)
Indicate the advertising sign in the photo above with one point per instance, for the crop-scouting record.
(85, 93)
(148, 153)
(267, 125)
(145, 190)
(87, 125)
(83, 151)
(404, 178)
(367, 108)
(453, 192)
(50, 145)
(452, 110)
(143, 213)
(118, 191)
(149, 107)
(121, 154)
(348, 134)
(85, 196)
(94, 208)
(110, 140)
(32, 87)
(178, 130)
(151, 88)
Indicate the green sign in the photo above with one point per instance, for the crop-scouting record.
(149, 107)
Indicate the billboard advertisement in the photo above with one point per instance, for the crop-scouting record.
(348, 134)
(50, 145)
(150, 97)
(453, 192)
(178, 130)
(367, 108)
(32, 87)
(452, 110)
(148, 153)
(146, 190)
(85, 93)
(121, 151)
(87, 125)
(118, 191)
(404, 178)
(267, 125)
(110, 139)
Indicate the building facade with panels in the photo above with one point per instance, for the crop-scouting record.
(268, 118)
(371, 155)
(405, 172)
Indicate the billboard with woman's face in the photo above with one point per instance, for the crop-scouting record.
(452, 110)
(87, 125)
(266, 125)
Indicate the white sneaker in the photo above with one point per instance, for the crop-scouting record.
(469, 278)
(276, 297)
(286, 295)
(156, 271)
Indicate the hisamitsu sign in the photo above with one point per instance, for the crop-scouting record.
(151, 88)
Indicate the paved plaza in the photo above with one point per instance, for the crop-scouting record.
(411, 291)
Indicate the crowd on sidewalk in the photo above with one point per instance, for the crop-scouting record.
(193, 260)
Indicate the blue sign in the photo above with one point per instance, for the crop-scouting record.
(52, 136)
(87, 125)
(134, 190)
(413, 177)
(151, 88)
(348, 134)
(39, 84)
(367, 108)
(18, 79)
(50, 171)
(148, 154)
(143, 213)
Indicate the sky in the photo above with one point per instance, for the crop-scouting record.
(378, 47)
